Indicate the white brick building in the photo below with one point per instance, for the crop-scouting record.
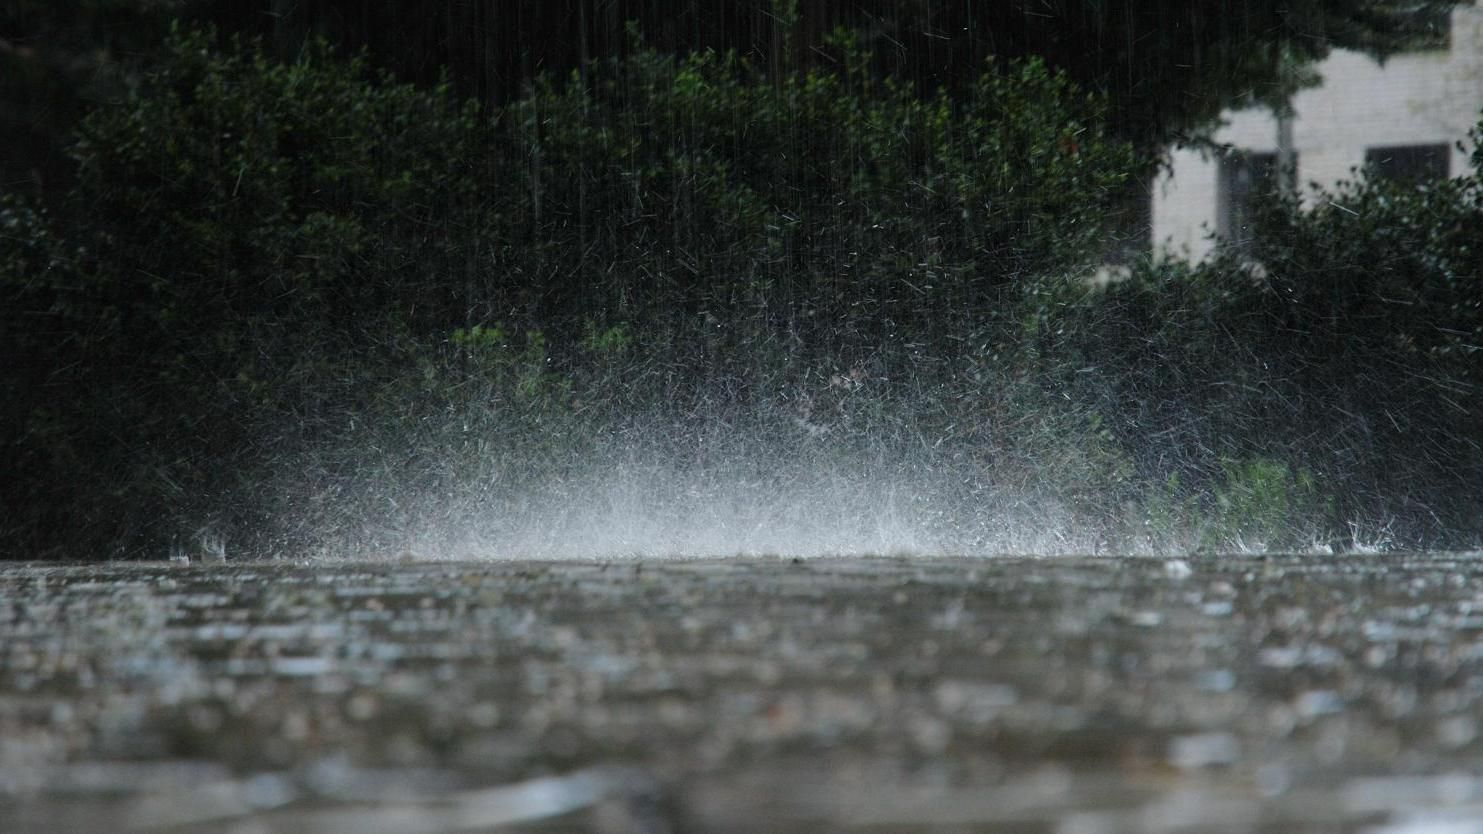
(1405, 116)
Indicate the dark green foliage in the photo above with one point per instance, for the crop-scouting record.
(1167, 66)
(1377, 297)
(832, 205)
(1348, 349)
(304, 265)
(301, 303)
(58, 57)
(1378, 265)
(236, 187)
(237, 230)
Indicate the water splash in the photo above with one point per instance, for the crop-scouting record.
(754, 506)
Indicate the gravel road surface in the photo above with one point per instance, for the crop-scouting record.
(1066, 695)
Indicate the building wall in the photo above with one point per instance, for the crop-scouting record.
(1419, 98)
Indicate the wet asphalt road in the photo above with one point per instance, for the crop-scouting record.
(1077, 696)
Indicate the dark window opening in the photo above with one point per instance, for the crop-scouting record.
(1244, 176)
(1409, 163)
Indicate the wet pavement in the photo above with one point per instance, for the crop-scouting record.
(1067, 695)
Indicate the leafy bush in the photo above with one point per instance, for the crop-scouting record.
(1342, 356)
(1264, 504)
(1375, 304)
(240, 234)
(305, 306)
(839, 207)
(279, 285)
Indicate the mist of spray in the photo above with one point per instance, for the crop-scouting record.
(651, 509)
(722, 492)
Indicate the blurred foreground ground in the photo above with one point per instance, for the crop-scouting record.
(1077, 696)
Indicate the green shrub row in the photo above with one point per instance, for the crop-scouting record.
(306, 307)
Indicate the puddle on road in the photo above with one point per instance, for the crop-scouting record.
(1076, 696)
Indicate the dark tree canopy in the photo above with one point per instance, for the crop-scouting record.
(1167, 65)
(309, 273)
